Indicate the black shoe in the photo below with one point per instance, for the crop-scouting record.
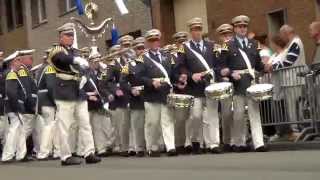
(154, 154)
(172, 152)
(196, 148)
(188, 149)
(227, 148)
(76, 155)
(180, 150)
(104, 154)
(43, 159)
(215, 150)
(27, 159)
(92, 159)
(124, 154)
(132, 153)
(240, 149)
(140, 154)
(71, 161)
(261, 149)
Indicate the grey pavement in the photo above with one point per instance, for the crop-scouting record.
(282, 165)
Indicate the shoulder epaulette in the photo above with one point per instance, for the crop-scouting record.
(22, 73)
(50, 70)
(125, 69)
(181, 50)
(57, 49)
(140, 59)
(11, 76)
(225, 47)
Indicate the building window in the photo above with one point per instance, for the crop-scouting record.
(66, 6)
(38, 12)
(276, 19)
(14, 14)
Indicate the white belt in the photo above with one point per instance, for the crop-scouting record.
(0, 95)
(67, 77)
(43, 91)
(34, 95)
(20, 101)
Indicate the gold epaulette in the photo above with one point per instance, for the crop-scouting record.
(22, 73)
(11, 76)
(181, 49)
(140, 59)
(55, 50)
(50, 70)
(125, 69)
(225, 47)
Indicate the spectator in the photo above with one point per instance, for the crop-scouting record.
(314, 30)
(265, 51)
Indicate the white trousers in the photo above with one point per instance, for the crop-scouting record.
(194, 122)
(3, 128)
(226, 120)
(15, 145)
(158, 117)
(121, 122)
(99, 122)
(180, 116)
(239, 128)
(32, 128)
(137, 120)
(211, 128)
(49, 141)
(67, 113)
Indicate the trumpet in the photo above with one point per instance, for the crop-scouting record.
(110, 56)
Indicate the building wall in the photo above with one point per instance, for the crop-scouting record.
(15, 39)
(300, 14)
(187, 9)
(41, 37)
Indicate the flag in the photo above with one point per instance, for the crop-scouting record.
(80, 8)
(122, 7)
(114, 35)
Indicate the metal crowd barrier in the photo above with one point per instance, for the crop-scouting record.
(295, 103)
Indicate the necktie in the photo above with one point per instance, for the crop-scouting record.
(199, 47)
(157, 57)
(244, 45)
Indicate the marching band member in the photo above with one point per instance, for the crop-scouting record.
(137, 112)
(70, 98)
(181, 114)
(45, 78)
(198, 58)
(155, 75)
(15, 99)
(242, 57)
(3, 122)
(225, 32)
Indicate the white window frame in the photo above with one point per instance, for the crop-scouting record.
(40, 15)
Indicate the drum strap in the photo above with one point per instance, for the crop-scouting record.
(248, 63)
(201, 58)
(162, 69)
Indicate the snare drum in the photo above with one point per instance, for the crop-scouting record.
(260, 92)
(219, 91)
(180, 100)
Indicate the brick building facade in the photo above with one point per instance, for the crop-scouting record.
(42, 17)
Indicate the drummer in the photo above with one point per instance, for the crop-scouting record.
(242, 57)
(225, 32)
(196, 55)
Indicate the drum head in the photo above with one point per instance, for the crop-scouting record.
(260, 88)
(218, 86)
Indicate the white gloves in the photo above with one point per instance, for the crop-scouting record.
(81, 62)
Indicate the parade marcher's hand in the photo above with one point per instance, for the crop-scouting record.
(196, 77)
(93, 98)
(181, 86)
(156, 84)
(225, 79)
(236, 75)
(92, 93)
(225, 72)
(111, 98)
(119, 92)
(81, 62)
(268, 68)
(135, 92)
